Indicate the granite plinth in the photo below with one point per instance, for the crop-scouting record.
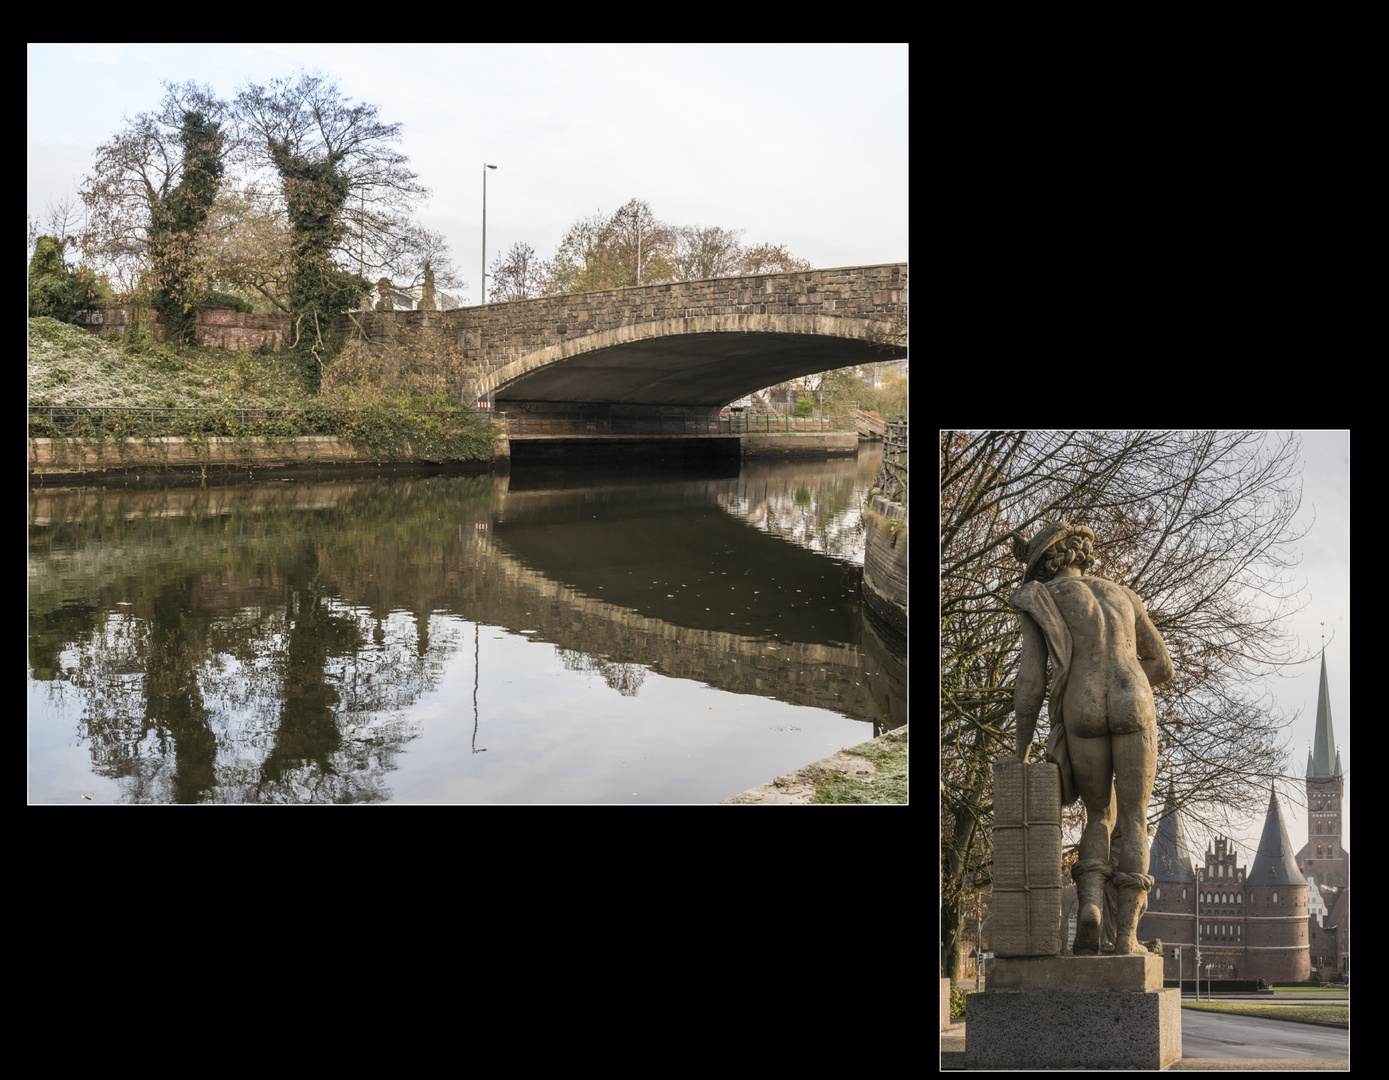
(1074, 1029)
(1135, 973)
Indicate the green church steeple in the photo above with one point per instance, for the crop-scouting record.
(1324, 762)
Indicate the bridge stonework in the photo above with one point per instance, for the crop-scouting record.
(502, 342)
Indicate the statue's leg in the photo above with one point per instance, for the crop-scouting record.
(1090, 763)
(1135, 765)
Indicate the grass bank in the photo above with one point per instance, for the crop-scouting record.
(887, 784)
(1328, 1014)
(95, 382)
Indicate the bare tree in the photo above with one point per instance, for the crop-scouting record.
(640, 246)
(63, 217)
(706, 252)
(769, 259)
(308, 118)
(1198, 524)
(519, 275)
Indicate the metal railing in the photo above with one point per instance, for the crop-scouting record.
(869, 423)
(95, 421)
(675, 425)
(892, 476)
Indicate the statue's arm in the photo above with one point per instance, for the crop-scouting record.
(1031, 686)
(1152, 650)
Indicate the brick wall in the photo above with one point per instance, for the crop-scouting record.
(1276, 933)
(218, 328)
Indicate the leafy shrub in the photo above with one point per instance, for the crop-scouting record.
(51, 285)
(223, 300)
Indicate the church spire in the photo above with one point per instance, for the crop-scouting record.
(1325, 762)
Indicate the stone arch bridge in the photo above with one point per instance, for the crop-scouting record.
(690, 345)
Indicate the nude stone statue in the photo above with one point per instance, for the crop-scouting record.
(1106, 656)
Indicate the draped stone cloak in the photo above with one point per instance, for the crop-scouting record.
(1035, 602)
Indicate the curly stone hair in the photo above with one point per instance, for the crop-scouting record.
(1075, 549)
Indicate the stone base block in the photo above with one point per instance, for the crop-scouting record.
(1073, 1029)
(945, 1004)
(1139, 972)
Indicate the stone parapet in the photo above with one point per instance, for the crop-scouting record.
(499, 342)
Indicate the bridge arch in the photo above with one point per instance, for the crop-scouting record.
(703, 360)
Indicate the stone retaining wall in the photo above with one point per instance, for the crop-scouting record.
(218, 328)
(886, 565)
(51, 457)
(779, 443)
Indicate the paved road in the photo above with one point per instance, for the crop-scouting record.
(1220, 1035)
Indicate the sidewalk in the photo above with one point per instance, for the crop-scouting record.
(952, 1057)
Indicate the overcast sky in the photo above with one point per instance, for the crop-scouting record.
(1324, 570)
(1322, 575)
(802, 145)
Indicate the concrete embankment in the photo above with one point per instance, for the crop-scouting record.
(55, 460)
(778, 443)
(92, 459)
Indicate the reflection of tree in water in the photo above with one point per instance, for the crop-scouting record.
(626, 679)
(301, 703)
(819, 511)
(208, 650)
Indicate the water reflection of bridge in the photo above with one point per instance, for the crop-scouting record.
(504, 569)
(823, 675)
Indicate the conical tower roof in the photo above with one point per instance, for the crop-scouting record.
(1275, 862)
(1325, 762)
(1169, 859)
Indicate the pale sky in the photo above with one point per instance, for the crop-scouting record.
(1324, 570)
(802, 145)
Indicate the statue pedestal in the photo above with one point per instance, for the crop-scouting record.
(1069, 1012)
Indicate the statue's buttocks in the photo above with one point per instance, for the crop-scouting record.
(1105, 655)
(1108, 692)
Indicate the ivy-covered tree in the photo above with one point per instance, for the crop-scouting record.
(148, 195)
(318, 290)
(349, 196)
(177, 222)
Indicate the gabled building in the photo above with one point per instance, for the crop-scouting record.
(1250, 923)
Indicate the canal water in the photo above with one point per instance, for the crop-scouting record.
(544, 637)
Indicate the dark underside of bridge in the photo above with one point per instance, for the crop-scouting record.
(683, 371)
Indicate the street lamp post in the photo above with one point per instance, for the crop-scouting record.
(979, 948)
(485, 167)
